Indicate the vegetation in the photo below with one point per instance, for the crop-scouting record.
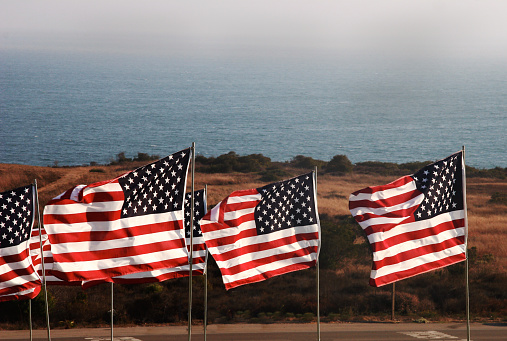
(345, 259)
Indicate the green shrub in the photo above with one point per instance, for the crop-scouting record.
(498, 198)
(339, 164)
(306, 162)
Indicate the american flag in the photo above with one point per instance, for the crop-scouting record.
(130, 224)
(414, 224)
(260, 233)
(199, 255)
(18, 278)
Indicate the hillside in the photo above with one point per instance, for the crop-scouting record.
(345, 257)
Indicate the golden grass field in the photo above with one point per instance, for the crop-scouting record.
(487, 221)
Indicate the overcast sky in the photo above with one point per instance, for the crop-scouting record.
(473, 28)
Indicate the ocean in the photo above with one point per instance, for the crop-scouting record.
(76, 107)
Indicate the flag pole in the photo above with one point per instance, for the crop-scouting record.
(205, 272)
(30, 318)
(318, 270)
(42, 260)
(190, 255)
(112, 309)
(392, 300)
(466, 248)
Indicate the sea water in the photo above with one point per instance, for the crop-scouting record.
(73, 108)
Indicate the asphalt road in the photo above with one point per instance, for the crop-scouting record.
(278, 332)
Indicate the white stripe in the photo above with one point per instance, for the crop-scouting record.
(387, 209)
(269, 267)
(22, 264)
(244, 198)
(270, 237)
(416, 226)
(79, 208)
(417, 243)
(228, 216)
(385, 194)
(227, 232)
(274, 251)
(20, 293)
(86, 246)
(75, 192)
(114, 225)
(112, 186)
(14, 250)
(135, 260)
(415, 262)
(18, 280)
(380, 221)
(161, 272)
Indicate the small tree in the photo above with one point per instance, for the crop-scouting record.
(339, 164)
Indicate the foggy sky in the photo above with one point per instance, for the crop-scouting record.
(418, 28)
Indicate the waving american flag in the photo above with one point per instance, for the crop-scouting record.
(416, 223)
(130, 224)
(260, 233)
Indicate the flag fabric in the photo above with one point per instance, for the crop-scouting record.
(21, 295)
(36, 254)
(199, 254)
(199, 246)
(18, 278)
(260, 233)
(130, 224)
(414, 224)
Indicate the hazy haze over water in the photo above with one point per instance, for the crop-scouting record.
(376, 80)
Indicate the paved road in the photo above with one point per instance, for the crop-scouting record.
(278, 332)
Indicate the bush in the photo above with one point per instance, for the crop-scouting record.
(339, 164)
(305, 162)
(232, 162)
(498, 198)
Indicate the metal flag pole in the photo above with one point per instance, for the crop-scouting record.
(393, 293)
(466, 248)
(36, 194)
(318, 270)
(112, 309)
(30, 318)
(190, 256)
(205, 271)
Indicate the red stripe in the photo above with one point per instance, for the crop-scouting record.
(396, 183)
(241, 206)
(95, 197)
(387, 202)
(19, 257)
(404, 213)
(74, 237)
(14, 293)
(414, 235)
(14, 273)
(379, 228)
(269, 274)
(244, 266)
(393, 277)
(242, 193)
(268, 245)
(231, 239)
(418, 252)
(85, 217)
(112, 252)
(118, 271)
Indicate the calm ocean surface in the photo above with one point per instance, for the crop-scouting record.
(75, 108)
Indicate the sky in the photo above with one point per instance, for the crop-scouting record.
(392, 28)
